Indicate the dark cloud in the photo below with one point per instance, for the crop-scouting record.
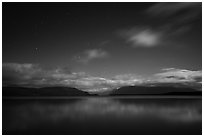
(176, 15)
(92, 54)
(185, 10)
(14, 73)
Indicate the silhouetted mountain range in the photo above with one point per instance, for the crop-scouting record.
(46, 91)
(128, 90)
(155, 90)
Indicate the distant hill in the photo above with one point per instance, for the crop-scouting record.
(155, 90)
(46, 91)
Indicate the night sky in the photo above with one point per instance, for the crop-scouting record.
(108, 40)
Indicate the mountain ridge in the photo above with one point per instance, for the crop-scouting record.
(125, 90)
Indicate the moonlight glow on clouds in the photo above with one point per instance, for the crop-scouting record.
(30, 75)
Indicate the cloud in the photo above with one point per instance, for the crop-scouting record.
(92, 54)
(142, 37)
(100, 85)
(176, 15)
(166, 9)
(32, 75)
(179, 76)
(170, 21)
(128, 79)
(14, 73)
(147, 37)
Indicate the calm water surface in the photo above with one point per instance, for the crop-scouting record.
(103, 115)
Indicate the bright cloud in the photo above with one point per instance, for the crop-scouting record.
(142, 37)
(173, 19)
(34, 76)
(31, 75)
(172, 74)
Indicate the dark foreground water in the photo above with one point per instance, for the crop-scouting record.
(97, 116)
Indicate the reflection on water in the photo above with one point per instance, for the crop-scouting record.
(102, 116)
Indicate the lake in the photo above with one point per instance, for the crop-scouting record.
(102, 116)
